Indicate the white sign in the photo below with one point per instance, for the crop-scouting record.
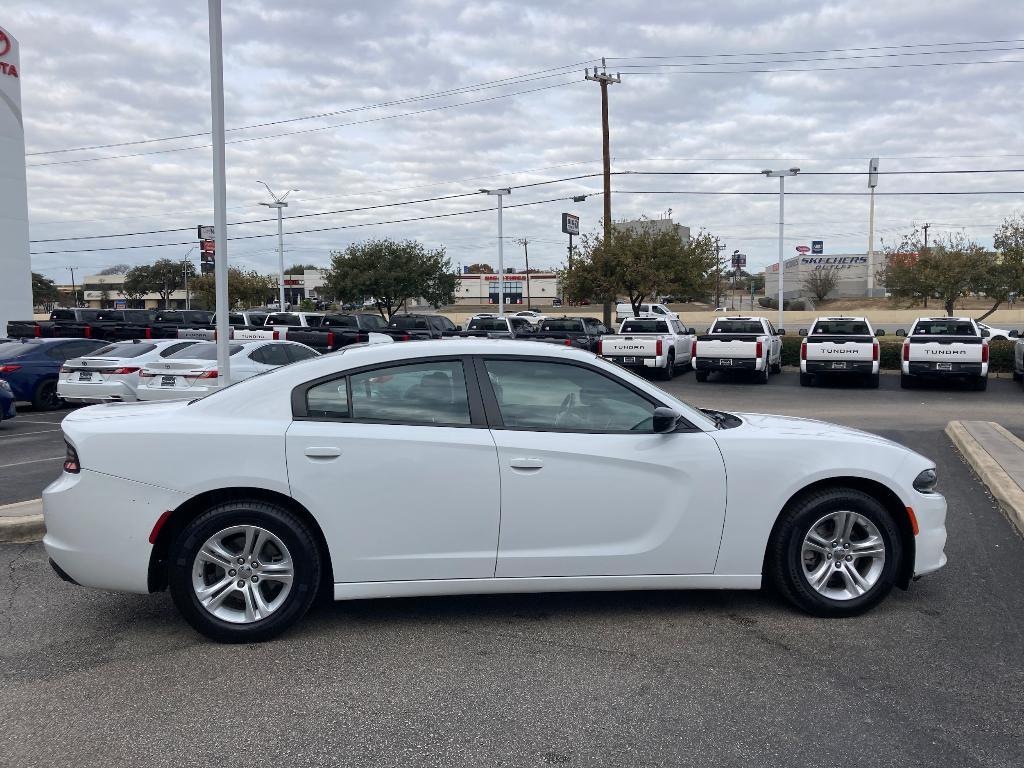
(205, 232)
(16, 286)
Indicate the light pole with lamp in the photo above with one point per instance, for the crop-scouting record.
(501, 248)
(782, 225)
(185, 264)
(278, 203)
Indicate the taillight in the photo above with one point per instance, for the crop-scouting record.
(875, 350)
(693, 349)
(64, 369)
(9, 368)
(803, 349)
(88, 332)
(144, 374)
(600, 347)
(568, 342)
(906, 351)
(71, 459)
(276, 335)
(149, 333)
(760, 349)
(208, 374)
(120, 371)
(984, 352)
(658, 348)
(362, 337)
(330, 338)
(406, 337)
(37, 331)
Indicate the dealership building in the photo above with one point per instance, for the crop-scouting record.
(851, 272)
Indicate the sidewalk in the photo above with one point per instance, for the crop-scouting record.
(997, 456)
(22, 521)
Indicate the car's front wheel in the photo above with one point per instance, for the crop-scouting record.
(244, 571)
(835, 552)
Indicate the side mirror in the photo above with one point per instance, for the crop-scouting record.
(803, 331)
(665, 419)
(985, 333)
(781, 331)
(1014, 334)
(458, 327)
(901, 331)
(880, 332)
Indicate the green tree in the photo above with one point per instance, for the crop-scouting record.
(480, 269)
(44, 290)
(167, 276)
(116, 269)
(821, 282)
(298, 269)
(391, 273)
(245, 288)
(638, 263)
(138, 281)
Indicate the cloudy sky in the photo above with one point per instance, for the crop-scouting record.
(379, 106)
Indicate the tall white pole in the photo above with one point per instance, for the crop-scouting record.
(280, 252)
(501, 264)
(871, 245)
(782, 225)
(220, 195)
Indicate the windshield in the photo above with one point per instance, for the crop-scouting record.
(737, 326)
(282, 318)
(408, 323)
(574, 326)
(944, 328)
(122, 350)
(840, 328)
(203, 351)
(340, 321)
(644, 326)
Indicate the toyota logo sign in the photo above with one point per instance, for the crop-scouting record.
(5, 43)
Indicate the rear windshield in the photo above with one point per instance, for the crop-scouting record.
(17, 349)
(204, 351)
(737, 326)
(575, 326)
(138, 315)
(122, 350)
(409, 323)
(840, 328)
(282, 318)
(115, 315)
(644, 326)
(69, 314)
(944, 328)
(168, 317)
(340, 321)
(488, 324)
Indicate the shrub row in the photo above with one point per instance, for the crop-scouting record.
(1000, 353)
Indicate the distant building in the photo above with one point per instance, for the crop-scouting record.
(851, 270)
(541, 288)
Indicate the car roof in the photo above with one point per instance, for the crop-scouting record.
(841, 317)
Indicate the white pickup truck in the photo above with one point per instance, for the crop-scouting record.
(843, 346)
(641, 342)
(943, 347)
(739, 343)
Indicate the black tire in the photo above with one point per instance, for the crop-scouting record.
(806, 379)
(981, 383)
(777, 368)
(907, 382)
(873, 380)
(44, 397)
(666, 373)
(1016, 376)
(281, 523)
(700, 375)
(761, 377)
(784, 565)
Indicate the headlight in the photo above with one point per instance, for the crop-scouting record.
(925, 482)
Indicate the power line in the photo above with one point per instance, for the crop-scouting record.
(823, 50)
(833, 69)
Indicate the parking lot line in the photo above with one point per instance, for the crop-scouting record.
(30, 461)
(37, 432)
(38, 421)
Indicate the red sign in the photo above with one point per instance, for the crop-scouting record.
(208, 246)
(802, 249)
(5, 43)
(507, 277)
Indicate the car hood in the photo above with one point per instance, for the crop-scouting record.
(796, 426)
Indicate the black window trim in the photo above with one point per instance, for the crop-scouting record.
(477, 417)
(493, 412)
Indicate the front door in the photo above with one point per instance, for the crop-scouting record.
(587, 489)
(400, 472)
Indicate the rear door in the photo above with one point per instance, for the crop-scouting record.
(587, 489)
(398, 466)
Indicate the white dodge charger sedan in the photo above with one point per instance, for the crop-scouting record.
(390, 469)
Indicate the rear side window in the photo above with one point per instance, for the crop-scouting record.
(328, 400)
(840, 328)
(340, 321)
(490, 324)
(203, 351)
(169, 318)
(297, 353)
(110, 316)
(170, 349)
(124, 350)
(422, 393)
(271, 354)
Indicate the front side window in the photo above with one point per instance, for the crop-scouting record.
(544, 396)
(421, 393)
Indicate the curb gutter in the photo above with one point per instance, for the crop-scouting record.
(1003, 487)
(22, 522)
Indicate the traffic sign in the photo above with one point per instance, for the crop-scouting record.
(802, 249)
(205, 232)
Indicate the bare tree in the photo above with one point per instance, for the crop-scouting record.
(821, 282)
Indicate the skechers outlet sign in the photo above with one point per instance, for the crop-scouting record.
(833, 262)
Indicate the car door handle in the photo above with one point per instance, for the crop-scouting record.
(525, 462)
(323, 452)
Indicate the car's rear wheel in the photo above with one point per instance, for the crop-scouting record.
(244, 571)
(981, 383)
(835, 552)
(701, 375)
(907, 382)
(44, 397)
(670, 367)
(761, 377)
(1016, 376)
(873, 381)
(806, 379)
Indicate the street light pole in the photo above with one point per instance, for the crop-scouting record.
(185, 264)
(501, 248)
(279, 203)
(220, 193)
(782, 227)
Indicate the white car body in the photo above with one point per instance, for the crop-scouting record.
(996, 333)
(939, 347)
(840, 345)
(578, 509)
(625, 311)
(294, 319)
(103, 377)
(532, 315)
(649, 349)
(756, 348)
(186, 378)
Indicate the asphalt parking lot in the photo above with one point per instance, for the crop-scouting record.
(932, 677)
(31, 454)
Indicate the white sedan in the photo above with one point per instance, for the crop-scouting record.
(111, 373)
(532, 315)
(192, 372)
(335, 475)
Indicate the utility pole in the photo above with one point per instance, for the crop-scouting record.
(185, 265)
(524, 242)
(280, 204)
(603, 79)
(872, 183)
(220, 191)
(925, 228)
(74, 289)
(782, 227)
(718, 272)
(500, 193)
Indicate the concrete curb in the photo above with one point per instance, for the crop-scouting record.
(22, 522)
(1000, 484)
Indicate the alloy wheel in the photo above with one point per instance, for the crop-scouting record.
(843, 555)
